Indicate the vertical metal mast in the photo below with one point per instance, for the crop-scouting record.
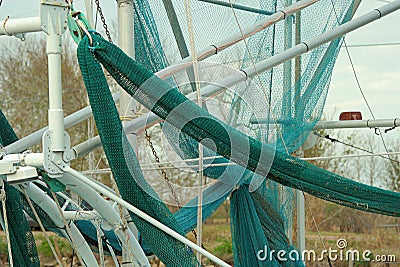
(300, 201)
(127, 105)
(126, 43)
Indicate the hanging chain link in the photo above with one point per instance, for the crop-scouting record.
(103, 20)
(164, 174)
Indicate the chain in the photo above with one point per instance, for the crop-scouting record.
(164, 174)
(103, 20)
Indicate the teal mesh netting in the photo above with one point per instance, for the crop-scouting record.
(23, 244)
(293, 115)
(294, 104)
(170, 104)
(130, 181)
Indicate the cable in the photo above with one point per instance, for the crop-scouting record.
(358, 81)
(334, 140)
(316, 226)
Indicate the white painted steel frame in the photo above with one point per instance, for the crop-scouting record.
(144, 216)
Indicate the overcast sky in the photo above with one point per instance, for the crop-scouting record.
(377, 67)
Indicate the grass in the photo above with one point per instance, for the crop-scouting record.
(44, 249)
(379, 242)
(217, 240)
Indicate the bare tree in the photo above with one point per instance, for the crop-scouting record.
(392, 175)
(24, 88)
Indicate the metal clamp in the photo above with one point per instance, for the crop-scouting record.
(4, 25)
(53, 16)
(55, 162)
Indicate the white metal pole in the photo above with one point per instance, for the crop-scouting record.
(144, 216)
(82, 246)
(17, 26)
(36, 137)
(127, 105)
(301, 222)
(126, 43)
(223, 44)
(301, 215)
(89, 12)
(352, 156)
(287, 65)
(300, 205)
(358, 124)
(56, 113)
(287, 87)
(145, 120)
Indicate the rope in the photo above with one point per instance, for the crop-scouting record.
(259, 79)
(6, 230)
(202, 180)
(67, 228)
(99, 242)
(39, 221)
(316, 226)
(121, 214)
